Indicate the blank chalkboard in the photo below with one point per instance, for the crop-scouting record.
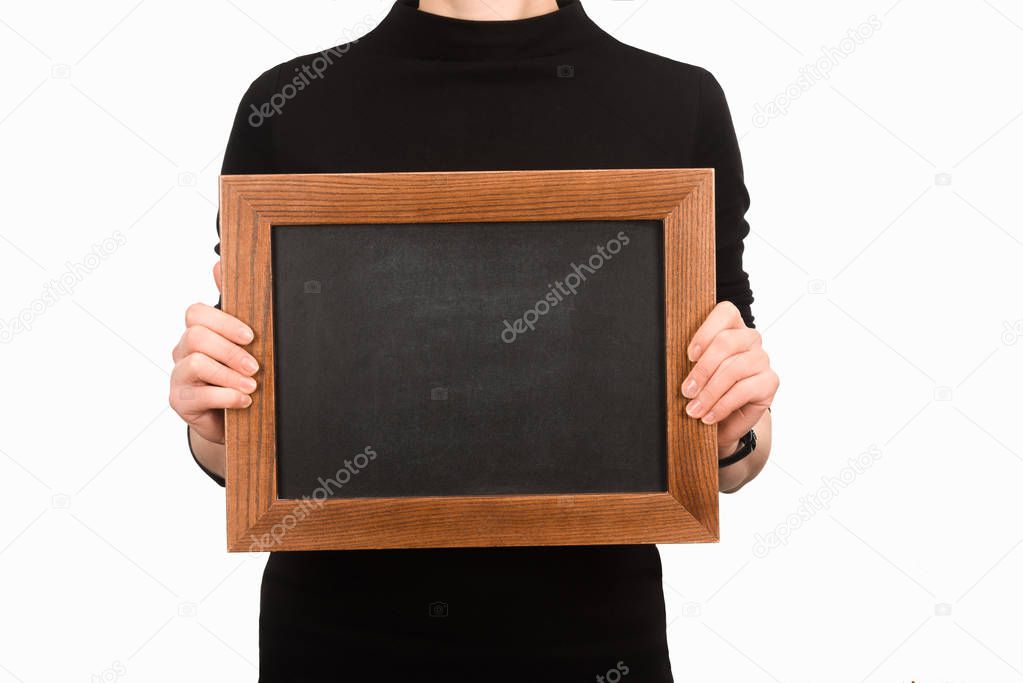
(469, 358)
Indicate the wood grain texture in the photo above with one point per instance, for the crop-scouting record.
(682, 198)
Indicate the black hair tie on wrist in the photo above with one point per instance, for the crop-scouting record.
(747, 444)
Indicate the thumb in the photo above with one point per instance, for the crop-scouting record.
(217, 277)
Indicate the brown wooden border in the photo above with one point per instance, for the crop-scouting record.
(682, 198)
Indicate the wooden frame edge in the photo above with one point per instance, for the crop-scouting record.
(685, 513)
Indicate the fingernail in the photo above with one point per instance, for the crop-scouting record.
(694, 352)
(250, 364)
(693, 408)
(250, 384)
(689, 390)
(247, 402)
(708, 419)
(246, 334)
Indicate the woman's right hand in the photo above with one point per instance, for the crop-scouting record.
(211, 369)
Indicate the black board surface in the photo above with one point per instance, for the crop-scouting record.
(469, 358)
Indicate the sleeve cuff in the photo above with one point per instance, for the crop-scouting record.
(212, 475)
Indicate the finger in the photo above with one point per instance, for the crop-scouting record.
(224, 324)
(757, 392)
(204, 340)
(727, 343)
(724, 316)
(191, 402)
(218, 276)
(730, 372)
(198, 368)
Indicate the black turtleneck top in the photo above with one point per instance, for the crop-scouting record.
(422, 92)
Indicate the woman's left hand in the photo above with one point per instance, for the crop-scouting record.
(732, 384)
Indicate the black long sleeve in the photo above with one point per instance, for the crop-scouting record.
(718, 148)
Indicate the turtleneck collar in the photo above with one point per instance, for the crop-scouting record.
(408, 32)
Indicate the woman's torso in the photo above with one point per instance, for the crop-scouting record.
(426, 93)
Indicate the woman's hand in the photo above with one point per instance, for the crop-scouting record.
(732, 384)
(211, 369)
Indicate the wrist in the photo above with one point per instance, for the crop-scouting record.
(726, 448)
(747, 445)
(209, 455)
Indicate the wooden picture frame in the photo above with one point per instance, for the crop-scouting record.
(257, 520)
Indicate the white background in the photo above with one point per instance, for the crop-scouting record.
(885, 259)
